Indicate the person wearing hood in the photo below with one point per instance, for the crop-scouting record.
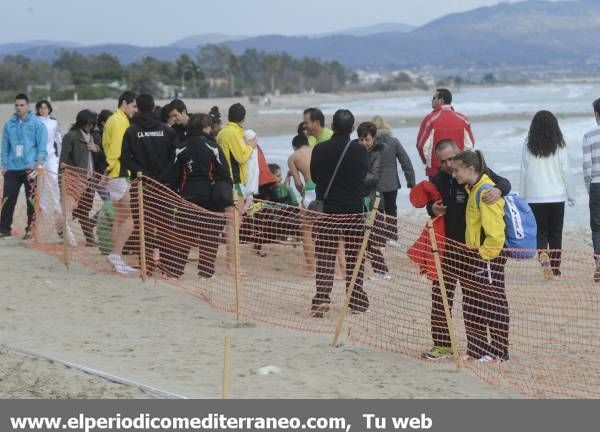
(149, 148)
(367, 132)
(24, 141)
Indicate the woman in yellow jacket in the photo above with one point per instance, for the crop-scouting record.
(485, 307)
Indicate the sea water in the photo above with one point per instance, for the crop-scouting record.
(501, 140)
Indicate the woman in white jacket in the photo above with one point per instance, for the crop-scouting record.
(50, 193)
(545, 186)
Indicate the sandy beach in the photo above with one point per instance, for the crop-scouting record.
(159, 335)
(155, 334)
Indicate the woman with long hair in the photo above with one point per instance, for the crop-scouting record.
(389, 182)
(50, 193)
(545, 186)
(77, 151)
(485, 307)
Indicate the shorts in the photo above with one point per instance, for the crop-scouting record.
(117, 188)
(239, 188)
(309, 193)
(309, 196)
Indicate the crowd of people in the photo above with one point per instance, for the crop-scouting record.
(209, 164)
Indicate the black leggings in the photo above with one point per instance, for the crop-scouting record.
(549, 218)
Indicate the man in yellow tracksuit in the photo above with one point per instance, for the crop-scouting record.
(485, 307)
(235, 149)
(117, 184)
(237, 152)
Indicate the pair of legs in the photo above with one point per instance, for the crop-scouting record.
(595, 225)
(549, 218)
(377, 241)
(83, 209)
(49, 193)
(13, 180)
(329, 230)
(118, 189)
(485, 308)
(391, 214)
(243, 202)
(453, 271)
(195, 228)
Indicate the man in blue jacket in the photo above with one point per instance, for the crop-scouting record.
(23, 149)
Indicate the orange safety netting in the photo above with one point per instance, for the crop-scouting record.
(545, 329)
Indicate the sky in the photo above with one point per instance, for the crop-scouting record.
(160, 22)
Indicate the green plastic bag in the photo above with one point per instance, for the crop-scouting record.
(106, 217)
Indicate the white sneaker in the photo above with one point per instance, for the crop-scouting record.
(381, 276)
(70, 237)
(119, 264)
(486, 359)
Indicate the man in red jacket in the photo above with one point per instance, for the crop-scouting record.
(442, 123)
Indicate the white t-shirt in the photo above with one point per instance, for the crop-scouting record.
(546, 179)
(252, 170)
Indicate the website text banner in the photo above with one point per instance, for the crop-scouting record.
(300, 415)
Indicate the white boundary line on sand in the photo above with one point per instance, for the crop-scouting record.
(104, 375)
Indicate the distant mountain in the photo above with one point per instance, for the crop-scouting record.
(369, 30)
(13, 48)
(125, 53)
(193, 42)
(530, 34)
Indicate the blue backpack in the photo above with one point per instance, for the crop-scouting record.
(521, 228)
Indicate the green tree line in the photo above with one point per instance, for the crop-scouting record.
(214, 71)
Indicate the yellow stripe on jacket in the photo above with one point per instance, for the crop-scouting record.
(486, 218)
(231, 141)
(112, 141)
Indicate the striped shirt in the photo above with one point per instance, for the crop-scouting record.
(591, 157)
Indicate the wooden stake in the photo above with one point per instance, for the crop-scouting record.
(359, 259)
(226, 367)
(63, 198)
(236, 251)
(442, 284)
(141, 225)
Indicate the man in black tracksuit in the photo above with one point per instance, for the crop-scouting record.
(344, 211)
(453, 207)
(149, 147)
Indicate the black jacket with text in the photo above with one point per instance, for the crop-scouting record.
(149, 146)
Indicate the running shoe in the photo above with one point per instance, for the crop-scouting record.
(119, 264)
(546, 267)
(319, 310)
(438, 353)
(27, 235)
(4, 234)
(596, 273)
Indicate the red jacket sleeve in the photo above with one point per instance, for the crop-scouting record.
(423, 135)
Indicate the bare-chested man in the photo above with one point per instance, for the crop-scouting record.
(299, 165)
